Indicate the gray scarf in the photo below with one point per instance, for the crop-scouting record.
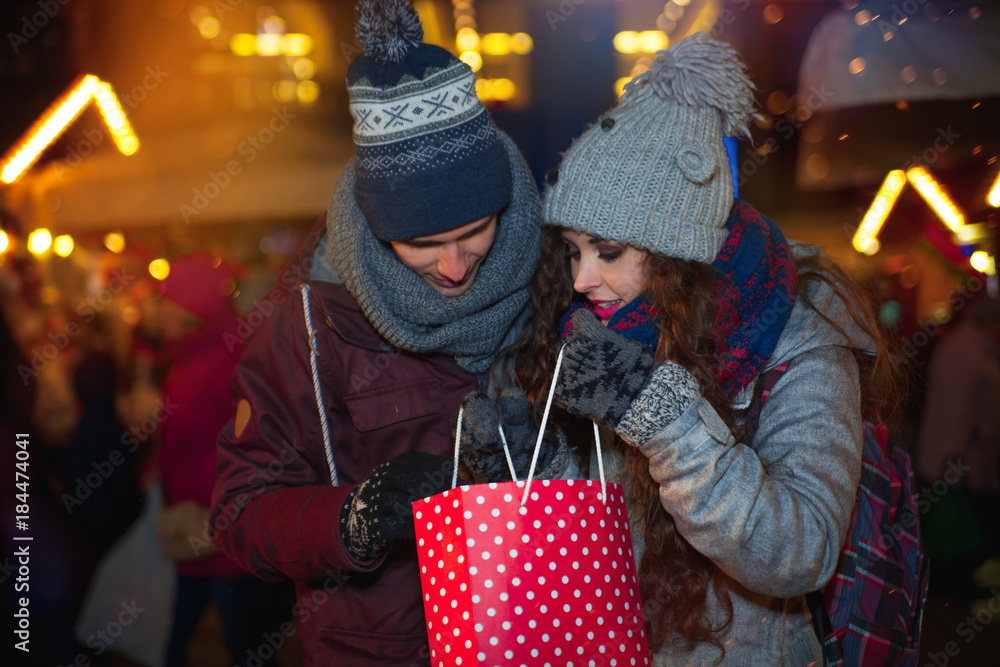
(412, 315)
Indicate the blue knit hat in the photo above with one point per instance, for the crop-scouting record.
(427, 155)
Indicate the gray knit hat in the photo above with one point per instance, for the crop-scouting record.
(653, 172)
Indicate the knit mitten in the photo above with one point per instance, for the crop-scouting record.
(602, 372)
(482, 447)
(380, 508)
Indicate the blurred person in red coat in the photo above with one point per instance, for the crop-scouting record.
(193, 316)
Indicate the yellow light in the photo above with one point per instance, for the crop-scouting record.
(626, 42)
(4, 241)
(39, 241)
(159, 269)
(472, 59)
(467, 39)
(856, 66)
(705, 19)
(304, 68)
(115, 242)
(864, 238)
(268, 44)
(63, 245)
(284, 91)
(484, 90)
(504, 89)
(980, 261)
(496, 44)
(521, 43)
(993, 198)
(114, 118)
(274, 25)
(932, 193)
(620, 85)
(209, 27)
(50, 125)
(243, 44)
(295, 44)
(307, 92)
(651, 41)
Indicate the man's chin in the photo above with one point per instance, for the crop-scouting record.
(451, 290)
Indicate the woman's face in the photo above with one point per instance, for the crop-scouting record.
(608, 273)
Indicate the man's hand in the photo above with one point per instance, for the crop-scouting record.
(482, 446)
(380, 509)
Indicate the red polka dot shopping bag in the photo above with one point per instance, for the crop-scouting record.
(521, 573)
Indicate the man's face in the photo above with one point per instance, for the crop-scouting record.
(449, 260)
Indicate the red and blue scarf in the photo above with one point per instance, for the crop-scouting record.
(755, 284)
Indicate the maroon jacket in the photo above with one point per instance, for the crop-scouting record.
(274, 509)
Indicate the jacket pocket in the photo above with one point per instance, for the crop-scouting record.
(386, 406)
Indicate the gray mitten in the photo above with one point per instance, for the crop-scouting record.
(602, 372)
(482, 447)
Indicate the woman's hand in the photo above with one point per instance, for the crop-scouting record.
(602, 372)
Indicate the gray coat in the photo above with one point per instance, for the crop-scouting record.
(772, 514)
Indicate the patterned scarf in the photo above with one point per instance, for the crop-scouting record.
(755, 289)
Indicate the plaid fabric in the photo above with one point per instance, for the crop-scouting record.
(875, 599)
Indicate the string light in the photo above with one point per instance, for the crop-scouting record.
(865, 240)
(57, 117)
(932, 193)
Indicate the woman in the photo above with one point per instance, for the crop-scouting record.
(673, 299)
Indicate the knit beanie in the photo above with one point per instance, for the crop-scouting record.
(653, 171)
(427, 155)
(200, 283)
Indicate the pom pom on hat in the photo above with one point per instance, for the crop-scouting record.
(388, 29)
(700, 72)
(654, 172)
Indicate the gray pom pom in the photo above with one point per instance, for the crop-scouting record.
(387, 29)
(700, 72)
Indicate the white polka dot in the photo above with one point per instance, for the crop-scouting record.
(468, 514)
(483, 528)
(437, 509)
(418, 514)
(463, 587)
(548, 509)
(491, 612)
(495, 512)
(516, 581)
(486, 555)
(503, 597)
(510, 525)
(527, 567)
(505, 625)
(473, 570)
(518, 610)
(501, 567)
(488, 583)
(494, 641)
(497, 540)
(508, 654)
(470, 542)
(480, 500)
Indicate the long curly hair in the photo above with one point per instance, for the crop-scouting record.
(674, 578)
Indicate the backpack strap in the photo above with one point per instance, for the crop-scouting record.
(822, 625)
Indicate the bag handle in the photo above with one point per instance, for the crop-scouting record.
(538, 442)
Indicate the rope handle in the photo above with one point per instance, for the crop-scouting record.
(538, 443)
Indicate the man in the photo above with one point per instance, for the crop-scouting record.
(405, 295)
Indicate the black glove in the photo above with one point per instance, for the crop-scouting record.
(380, 508)
(481, 446)
(602, 372)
